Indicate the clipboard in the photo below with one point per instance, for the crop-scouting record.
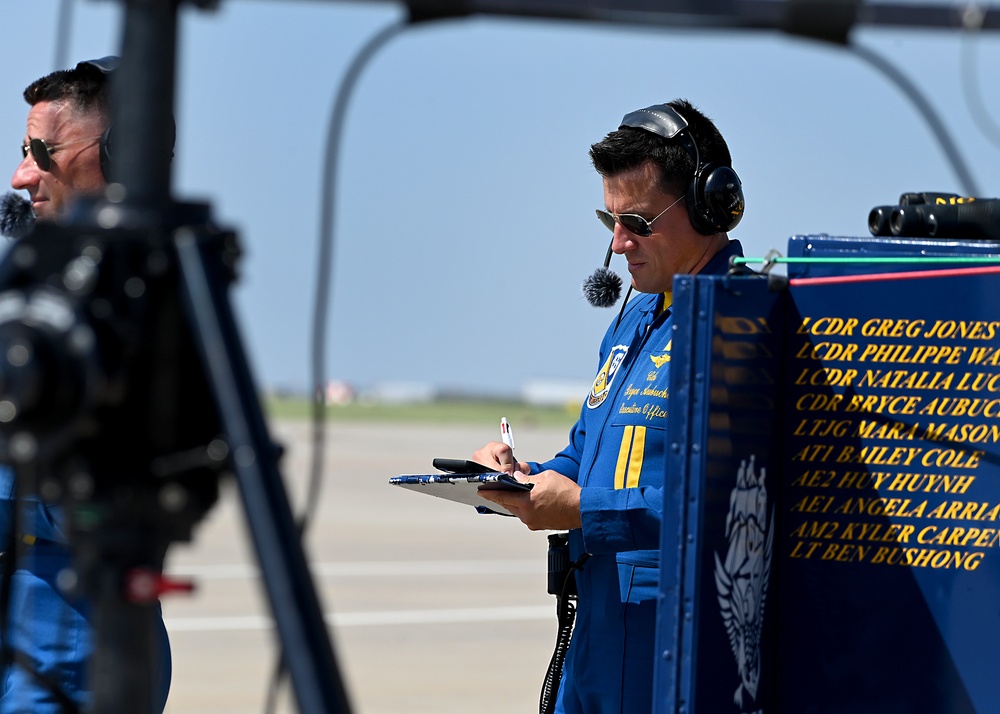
(462, 484)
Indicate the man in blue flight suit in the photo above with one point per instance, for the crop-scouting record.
(46, 636)
(670, 197)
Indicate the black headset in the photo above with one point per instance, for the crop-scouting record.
(715, 194)
(107, 65)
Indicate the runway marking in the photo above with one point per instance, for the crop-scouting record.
(370, 619)
(235, 571)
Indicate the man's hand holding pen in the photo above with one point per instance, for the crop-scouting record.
(500, 454)
(553, 503)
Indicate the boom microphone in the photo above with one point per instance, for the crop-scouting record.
(603, 288)
(16, 217)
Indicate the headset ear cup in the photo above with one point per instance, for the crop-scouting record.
(106, 153)
(107, 148)
(715, 199)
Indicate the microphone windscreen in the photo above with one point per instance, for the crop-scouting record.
(16, 217)
(603, 288)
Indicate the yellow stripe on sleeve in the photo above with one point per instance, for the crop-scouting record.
(630, 454)
(635, 461)
(623, 452)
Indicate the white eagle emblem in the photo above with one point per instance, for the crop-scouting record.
(742, 580)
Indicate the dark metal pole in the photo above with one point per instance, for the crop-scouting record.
(141, 115)
(120, 670)
(714, 14)
(143, 102)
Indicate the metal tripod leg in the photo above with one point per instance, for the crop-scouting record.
(306, 644)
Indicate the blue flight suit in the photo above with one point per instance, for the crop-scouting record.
(50, 629)
(617, 452)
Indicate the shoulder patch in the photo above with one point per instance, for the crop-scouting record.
(606, 376)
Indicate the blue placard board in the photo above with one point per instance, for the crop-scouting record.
(718, 524)
(831, 537)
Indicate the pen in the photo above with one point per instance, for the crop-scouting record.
(505, 434)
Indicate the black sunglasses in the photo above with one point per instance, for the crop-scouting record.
(632, 222)
(42, 152)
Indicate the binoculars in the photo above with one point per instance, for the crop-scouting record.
(938, 215)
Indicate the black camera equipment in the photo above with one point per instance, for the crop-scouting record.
(562, 584)
(559, 582)
(125, 393)
(938, 215)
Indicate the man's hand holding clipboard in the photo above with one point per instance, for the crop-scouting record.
(553, 503)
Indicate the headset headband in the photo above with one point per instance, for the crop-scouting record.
(663, 120)
(106, 64)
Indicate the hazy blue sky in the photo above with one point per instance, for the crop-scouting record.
(466, 203)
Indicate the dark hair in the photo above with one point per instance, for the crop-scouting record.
(629, 147)
(85, 87)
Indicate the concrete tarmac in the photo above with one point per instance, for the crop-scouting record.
(432, 607)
